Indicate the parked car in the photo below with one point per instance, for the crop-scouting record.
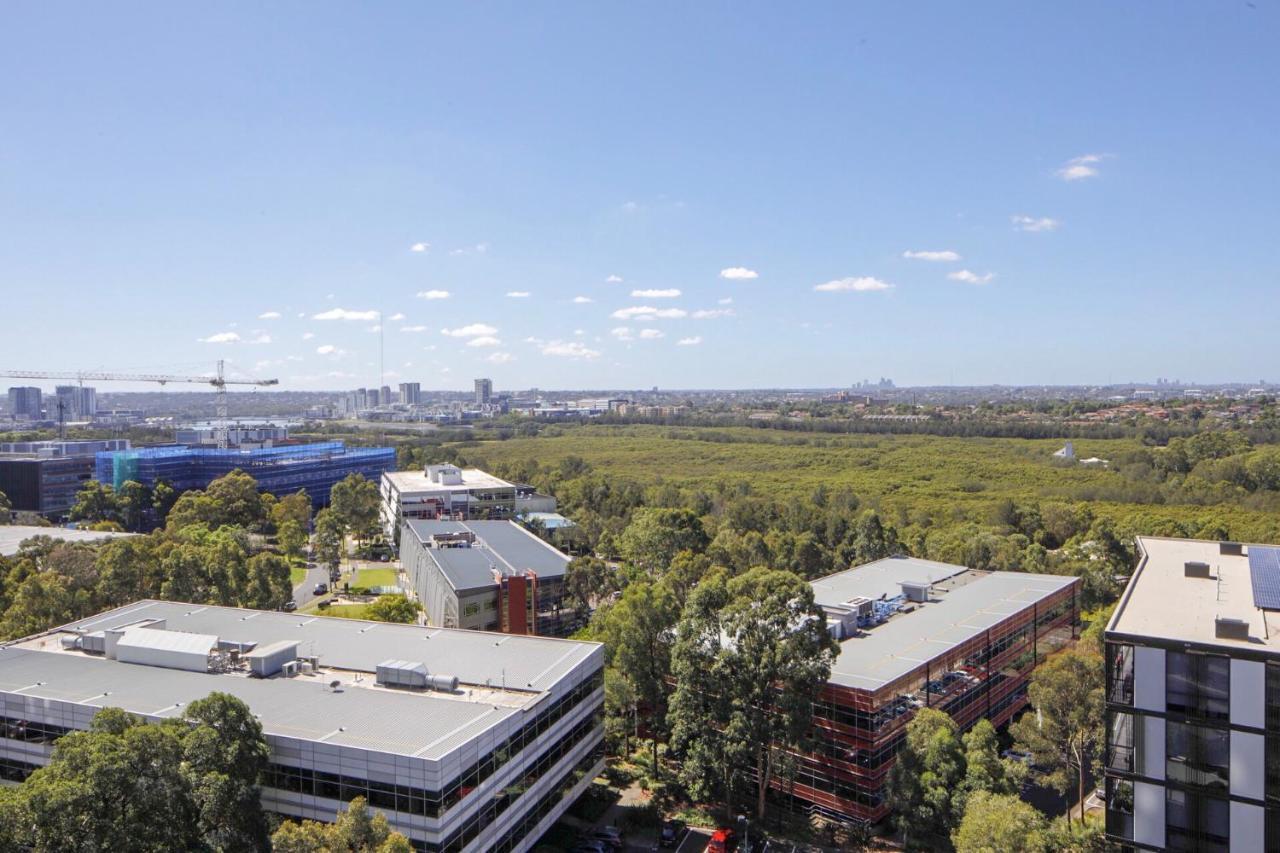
(290, 606)
(588, 845)
(610, 836)
(723, 840)
(321, 589)
(1020, 757)
(672, 832)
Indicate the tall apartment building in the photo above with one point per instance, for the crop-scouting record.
(463, 746)
(43, 477)
(1193, 699)
(918, 634)
(484, 391)
(410, 393)
(78, 403)
(25, 403)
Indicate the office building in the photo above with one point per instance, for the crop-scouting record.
(486, 575)
(918, 634)
(278, 470)
(484, 391)
(410, 393)
(25, 404)
(76, 402)
(464, 746)
(1193, 699)
(43, 477)
(444, 491)
(242, 435)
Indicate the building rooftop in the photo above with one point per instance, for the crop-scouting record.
(1163, 602)
(500, 676)
(961, 605)
(420, 481)
(501, 545)
(13, 535)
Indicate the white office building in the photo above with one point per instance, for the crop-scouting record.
(1193, 699)
(464, 740)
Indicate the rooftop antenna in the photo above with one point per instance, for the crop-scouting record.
(381, 354)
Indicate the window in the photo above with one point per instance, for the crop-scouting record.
(1273, 768)
(1120, 808)
(1198, 685)
(1197, 755)
(1195, 822)
(1120, 742)
(1120, 673)
(1273, 697)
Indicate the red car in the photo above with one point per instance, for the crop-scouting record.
(723, 841)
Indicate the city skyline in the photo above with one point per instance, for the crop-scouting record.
(626, 199)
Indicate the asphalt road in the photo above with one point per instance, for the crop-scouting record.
(695, 841)
(302, 592)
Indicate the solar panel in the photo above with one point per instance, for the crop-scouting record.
(1264, 572)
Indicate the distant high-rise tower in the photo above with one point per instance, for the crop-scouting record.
(78, 403)
(384, 395)
(24, 403)
(410, 393)
(484, 390)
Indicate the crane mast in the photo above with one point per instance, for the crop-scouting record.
(218, 381)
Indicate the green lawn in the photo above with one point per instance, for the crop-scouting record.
(375, 577)
(297, 575)
(342, 611)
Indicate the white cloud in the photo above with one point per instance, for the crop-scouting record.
(711, 313)
(420, 247)
(971, 277)
(478, 248)
(861, 284)
(306, 336)
(579, 332)
(414, 329)
(484, 341)
(569, 349)
(927, 255)
(344, 314)
(651, 334)
(668, 293)
(517, 294)
(260, 337)
(614, 279)
(738, 273)
(499, 357)
(622, 333)
(221, 338)
(293, 358)
(582, 300)
(433, 294)
(1031, 223)
(728, 300)
(328, 349)
(475, 330)
(630, 207)
(396, 318)
(269, 315)
(639, 311)
(1078, 168)
(376, 327)
(689, 342)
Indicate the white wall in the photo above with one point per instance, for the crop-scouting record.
(1148, 814)
(1248, 827)
(1150, 758)
(1248, 768)
(1148, 678)
(1248, 693)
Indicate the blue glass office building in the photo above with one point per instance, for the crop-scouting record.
(279, 470)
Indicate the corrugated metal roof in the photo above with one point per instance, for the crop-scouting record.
(170, 641)
(504, 545)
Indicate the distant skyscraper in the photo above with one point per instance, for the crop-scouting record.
(78, 403)
(384, 395)
(410, 393)
(25, 403)
(484, 390)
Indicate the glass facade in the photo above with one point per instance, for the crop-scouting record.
(1196, 822)
(1198, 685)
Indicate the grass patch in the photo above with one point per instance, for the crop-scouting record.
(297, 575)
(342, 611)
(375, 577)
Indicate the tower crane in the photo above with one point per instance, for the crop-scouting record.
(218, 381)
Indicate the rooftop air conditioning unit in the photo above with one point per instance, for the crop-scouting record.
(1234, 549)
(1230, 629)
(1196, 569)
(915, 590)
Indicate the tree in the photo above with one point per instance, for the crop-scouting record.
(587, 582)
(655, 536)
(752, 653)
(133, 502)
(268, 583)
(95, 502)
(357, 830)
(1064, 728)
(997, 823)
(638, 631)
(355, 503)
(328, 538)
(295, 507)
(226, 754)
(923, 781)
(163, 497)
(985, 770)
(238, 501)
(42, 600)
(393, 608)
(6, 508)
(292, 537)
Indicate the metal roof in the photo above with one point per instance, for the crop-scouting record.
(169, 641)
(880, 579)
(13, 535)
(503, 545)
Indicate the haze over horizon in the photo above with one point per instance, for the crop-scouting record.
(721, 196)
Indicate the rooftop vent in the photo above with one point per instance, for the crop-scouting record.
(1196, 569)
(411, 674)
(1230, 629)
(1235, 549)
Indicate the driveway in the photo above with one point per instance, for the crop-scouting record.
(302, 592)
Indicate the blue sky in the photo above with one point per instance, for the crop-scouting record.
(174, 177)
